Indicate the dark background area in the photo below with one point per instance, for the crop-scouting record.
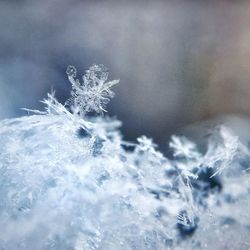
(179, 62)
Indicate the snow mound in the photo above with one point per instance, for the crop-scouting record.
(65, 187)
(70, 182)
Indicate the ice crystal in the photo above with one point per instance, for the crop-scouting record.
(220, 155)
(93, 93)
(182, 147)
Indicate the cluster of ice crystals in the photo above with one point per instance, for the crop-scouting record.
(71, 182)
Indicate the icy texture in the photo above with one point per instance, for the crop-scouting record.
(71, 182)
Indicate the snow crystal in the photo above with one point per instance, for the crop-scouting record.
(93, 93)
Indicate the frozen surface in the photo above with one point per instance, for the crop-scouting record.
(62, 188)
(71, 182)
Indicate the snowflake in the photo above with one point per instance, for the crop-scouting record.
(93, 93)
(182, 147)
(146, 144)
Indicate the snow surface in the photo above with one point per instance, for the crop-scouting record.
(65, 187)
(71, 182)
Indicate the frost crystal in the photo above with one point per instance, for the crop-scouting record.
(220, 155)
(182, 147)
(93, 93)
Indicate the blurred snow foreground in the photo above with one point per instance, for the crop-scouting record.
(69, 181)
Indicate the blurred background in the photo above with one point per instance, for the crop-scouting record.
(180, 62)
